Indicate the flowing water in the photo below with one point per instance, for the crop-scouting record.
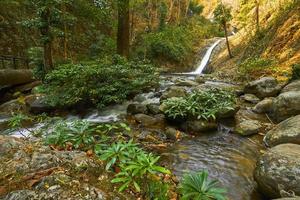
(228, 157)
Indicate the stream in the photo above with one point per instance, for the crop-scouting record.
(228, 157)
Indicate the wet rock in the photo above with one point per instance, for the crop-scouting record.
(197, 126)
(251, 98)
(37, 105)
(173, 91)
(277, 171)
(247, 114)
(287, 131)
(292, 87)
(153, 109)
(146, 120)
(228, 113)
(136, 108)
(264, 106)
(264, 87)
(248, 127)
(171, 133)
(186, 82)
(289, 198)
(13, 106)
(27, 87)
(200, 79)
(9, 144)
(286, 105)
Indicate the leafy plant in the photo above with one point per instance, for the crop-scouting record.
(82, 134)
(137, 171)
(197, 186)
(158, 190)
(199, 104)
(295, 72)
(98, 83)
(135, 165)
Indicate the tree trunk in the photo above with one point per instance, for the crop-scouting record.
(47, 40)
(65, 42)
(227, 41)
(257, 15)
(123, 28)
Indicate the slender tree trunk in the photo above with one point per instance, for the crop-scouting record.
(257, 15)
(47, 40)
(123, 28)
(227, 41)
(65, 42)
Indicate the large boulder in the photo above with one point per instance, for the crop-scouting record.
(287, 131)
(264, 106)
(37, 104)
(173, 91)
(292, 87)
(148, 121)
(15, 77)
(264, 87)
(136, 108)
(251, 98)
(198, 126)
(277, 171)
(286, 105)
(248, 127)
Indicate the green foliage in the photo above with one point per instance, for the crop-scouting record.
(158, 190)
(17, 120)
(222, 14)
(82, 134)
(173, 43)
(98, 83)
(136, 166)
(35, 54)
(195, 8)
(257, 66)
(197, 186)
(295, 72)
(199, 104)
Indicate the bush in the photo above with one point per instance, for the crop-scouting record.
(198, 186)
(135, 165)
(199, 104)
(295, 72)
(98, 83)
(253, 67)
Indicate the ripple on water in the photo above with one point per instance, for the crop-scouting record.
(228, 157)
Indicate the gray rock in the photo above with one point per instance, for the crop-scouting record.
(200, 79)
(289, 198)
(147, 120)
(264, 106)
(248, 127)
(248, 114)
(264, 87)
(286, 105)
(12, 106)
(198, 126)
(136, 108)
(173, 91)
(292, 87)
(277, 171)
(153, 109)
(171, 133)
(21, 195)
(287, 131)
(186, 82)
(228, 113)
(37, 105)
(251, 98)
(9, 144)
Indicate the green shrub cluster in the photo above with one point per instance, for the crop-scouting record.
(200, 105)
(175, 43)
(137, 167)
(98, 83)
(257, 66)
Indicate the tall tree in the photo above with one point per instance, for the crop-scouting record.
(257, 14)
(222, 15)
(123, 35)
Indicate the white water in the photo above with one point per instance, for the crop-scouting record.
(205, 59)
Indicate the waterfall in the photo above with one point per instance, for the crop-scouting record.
(205, 59)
